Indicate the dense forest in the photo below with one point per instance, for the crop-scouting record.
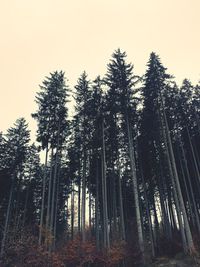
(120, 181)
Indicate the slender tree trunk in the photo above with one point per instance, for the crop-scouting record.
(49, 202)
(190, 243)
(56, 211)
(72, 212)
(193, 155)
(171, 213)
(174, 187)
(155, 223)
(112, 197)
(79, 204)
(43, 197)
(165, 219)
(178, 210)
(197, 119)
(135, 189)
(52, 214)
(147, 206)
(90, 198)
(17, 211)
(7, 217)
(54, 184)
(84, 195)
(104, 193)
(25, 205)
(90, 214)
(189, 210)
(97, 206)
(121, 207)
(190, 187)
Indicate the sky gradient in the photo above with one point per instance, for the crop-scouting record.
(41, 36)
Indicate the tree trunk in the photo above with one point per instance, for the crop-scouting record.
(54, 182)
(72, 212)
(121, 207)
(56, 211)
(79, 203)
(106, 239)
(190, 187)
(135, 189)
(54, 194)
(43, 197)
(25, 205)
(48, 237)
(174, 187)
(97, 206)
(190, 244)
(84, 196)
(147, 207)
(193, 155)
(7, 217)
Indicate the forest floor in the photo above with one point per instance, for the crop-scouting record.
(178, 261)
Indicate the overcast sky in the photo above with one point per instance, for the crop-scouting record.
(41, 36)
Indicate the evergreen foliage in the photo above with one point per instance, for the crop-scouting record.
(120, 182)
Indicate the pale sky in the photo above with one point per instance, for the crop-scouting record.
(41, 36)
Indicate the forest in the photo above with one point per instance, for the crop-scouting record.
(119, 183)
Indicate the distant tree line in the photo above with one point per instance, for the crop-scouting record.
(125, 168)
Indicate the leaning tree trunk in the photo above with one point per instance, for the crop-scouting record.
(190, 244)
(193, 155)
(189, 210)
(190, 188)
(135, 189)
(174, 187)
